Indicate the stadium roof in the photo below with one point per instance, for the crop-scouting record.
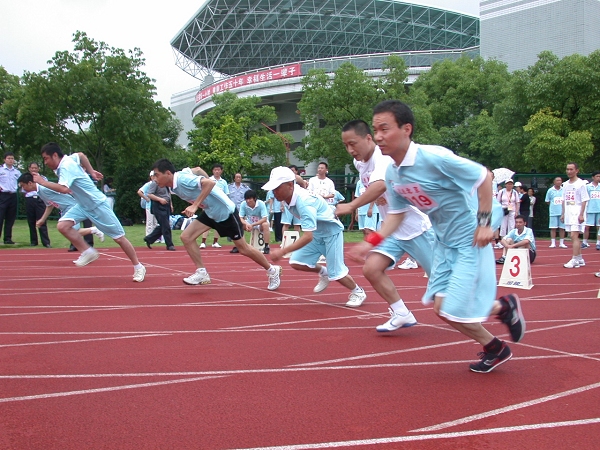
(234, 36)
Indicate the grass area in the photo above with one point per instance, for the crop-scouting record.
(134, 233)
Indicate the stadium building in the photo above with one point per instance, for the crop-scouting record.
(264, 48)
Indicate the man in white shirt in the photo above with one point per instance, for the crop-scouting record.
(320, 184)
(575, 198)
(519, 237)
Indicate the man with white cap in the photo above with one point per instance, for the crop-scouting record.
(322, 235)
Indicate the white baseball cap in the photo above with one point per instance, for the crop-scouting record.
(518, 183)
(279, 175)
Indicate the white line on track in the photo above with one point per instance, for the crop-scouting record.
(428, 437)
(107, 389)
(505, 409)
(78, 341)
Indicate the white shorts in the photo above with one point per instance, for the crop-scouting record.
(580, 228)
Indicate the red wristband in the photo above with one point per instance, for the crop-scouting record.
(374, 239)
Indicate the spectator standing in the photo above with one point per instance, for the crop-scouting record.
(592, 217)
(146, 203)
(217, 171)
(575, 198)
(321, 184)
(276, 209)
(532, 200)
(524, 201)
(110, 192)
(161, 209)
(509, 200)
(554, 200)
(9, 175)
(35, 209)
(237, 189)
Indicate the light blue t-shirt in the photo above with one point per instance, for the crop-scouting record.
(276, 203)
(64, 202)
(314, 213)
(364, 209)
(216, 205)
(253, 215)
(84, 191)
(221, 184)
(527, 234)
(443, 186)
(143, 202)
(593, 206)
(555, 198)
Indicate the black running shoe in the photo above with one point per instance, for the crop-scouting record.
(489, 361)
(266, 250)
(500, 260)
(513, 317)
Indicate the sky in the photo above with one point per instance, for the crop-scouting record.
(32, 31)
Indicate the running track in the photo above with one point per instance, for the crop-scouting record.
(91, 360)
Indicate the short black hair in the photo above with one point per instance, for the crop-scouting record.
(217, 165)
(52, 148)
(163, 165)
(522, 218)
(401, 111)
(8, 154)
(324, 163)
(595, 172)
(25, 178)
(249, 194)
(360, 127)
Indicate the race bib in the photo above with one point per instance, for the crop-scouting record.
(558, 200)
(570, 196)
(415, 195)
(595, 194)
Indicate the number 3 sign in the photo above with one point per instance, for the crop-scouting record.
(516, 272)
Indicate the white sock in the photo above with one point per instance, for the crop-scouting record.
(271, 270)
(562, 242)
(399, 308)
(88, 251)
(357, 289)
(553, 241)
(585, 241)
(94, 230)
(137, 266)
(323, 272)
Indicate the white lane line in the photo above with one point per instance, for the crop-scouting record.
(77, 341)
(428, 437)
(263, 371)
(95, 391)
(510, 408)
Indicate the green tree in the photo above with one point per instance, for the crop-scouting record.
(461, 96)
(235, 134)
(98, 100)
(10, 94)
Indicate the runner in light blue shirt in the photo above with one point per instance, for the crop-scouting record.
(322, 235)
(554, 198)
(218, 213)
(592, 218)
(456, 194)
(91, 204)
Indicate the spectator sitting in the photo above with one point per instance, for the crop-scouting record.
(518, 237)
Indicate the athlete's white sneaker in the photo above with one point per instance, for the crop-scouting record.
(498, 245)
(275, 278)
(200, 276)
(216, 245)
(563, 246)
(580, 261)
(85, 259)
(100, 235)
(552, 246)
(203, 245)
(322, 260)
(322, 284)
(397, 321)
(408, 264)
(139, 274)
(572, 264)
(355, 299)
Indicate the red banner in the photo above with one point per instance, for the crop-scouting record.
(279, 73)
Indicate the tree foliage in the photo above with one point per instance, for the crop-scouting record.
(236, 134)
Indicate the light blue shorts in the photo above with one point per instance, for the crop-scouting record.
(466, 278)
(592, 219)
(287, 218)
(332, 247)
(555, 222)
(372, 223)
(420, 248)
(361, 221)
(103, 217)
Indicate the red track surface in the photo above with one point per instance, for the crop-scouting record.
(90, 359)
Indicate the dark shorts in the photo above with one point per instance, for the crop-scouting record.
(231, 227)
